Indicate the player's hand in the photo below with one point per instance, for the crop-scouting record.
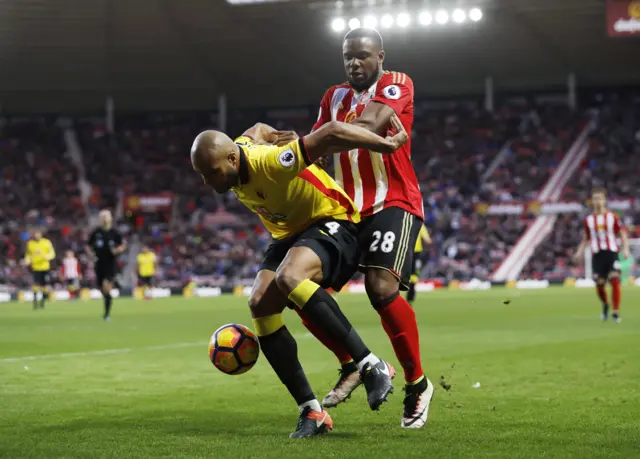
(284, 137)
(576, 258)
(322, 162)
(401, 136)
(626, 253)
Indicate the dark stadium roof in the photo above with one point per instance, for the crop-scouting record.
(172, 54)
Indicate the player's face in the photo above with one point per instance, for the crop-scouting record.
(37, 235)
(69, 254)
(220, 173)
(599, 201)
(362, 62)
(105, 220)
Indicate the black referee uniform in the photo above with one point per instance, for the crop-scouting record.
(102, 242)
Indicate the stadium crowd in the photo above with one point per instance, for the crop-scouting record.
(455, 145)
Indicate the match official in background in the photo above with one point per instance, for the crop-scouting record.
(418, 258)
(104, 246)
(40, 253)
(146, 270)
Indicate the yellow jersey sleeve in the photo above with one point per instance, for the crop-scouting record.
(51, 252)
(286, 162)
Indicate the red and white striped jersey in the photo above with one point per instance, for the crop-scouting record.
(602, 231)
(71, 268)
(372, 180)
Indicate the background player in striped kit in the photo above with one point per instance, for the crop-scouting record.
(601, 231)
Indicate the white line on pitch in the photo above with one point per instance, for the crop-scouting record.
(123, 350)
(102, 352)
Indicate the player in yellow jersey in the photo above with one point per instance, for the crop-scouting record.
(40, 253)
(423, 239)
(146, 270)
(315, 245)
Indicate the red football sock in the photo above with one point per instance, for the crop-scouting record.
(399, 321)
(615, 293)
(342, 355)
(602, 293)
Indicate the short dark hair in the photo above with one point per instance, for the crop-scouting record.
(365, 32)
(602, 191)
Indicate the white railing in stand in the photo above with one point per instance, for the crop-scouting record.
(75, 153)
(496, 161)
(542, 226)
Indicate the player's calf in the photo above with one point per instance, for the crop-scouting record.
(294, 279)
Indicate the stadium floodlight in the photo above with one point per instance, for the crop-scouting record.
(459, 15)
(338, 24)
(354, 23)
(386, 21)
(475, 14)
(425, 18)
(442, 17)
(403, 20)
(370, 22)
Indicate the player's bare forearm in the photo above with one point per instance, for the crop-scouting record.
(624, 238)
(375, 118)
(336, 136)
(261, 133)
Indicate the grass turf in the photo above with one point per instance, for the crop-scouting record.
(554, 382)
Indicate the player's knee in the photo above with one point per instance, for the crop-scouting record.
(380, 285)
(288, 277)
(599, 281)
(614, 275)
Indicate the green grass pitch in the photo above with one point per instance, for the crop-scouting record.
(554, 382)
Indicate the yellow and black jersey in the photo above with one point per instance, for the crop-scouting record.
(39, 254)
(289, 194)
(424, 234)
(146, 264)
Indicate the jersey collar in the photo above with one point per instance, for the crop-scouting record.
(244, 167)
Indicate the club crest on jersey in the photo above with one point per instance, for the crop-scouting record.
(392, 92)
(287, 158)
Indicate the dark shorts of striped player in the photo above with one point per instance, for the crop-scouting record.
(604, 263)
(387, 240)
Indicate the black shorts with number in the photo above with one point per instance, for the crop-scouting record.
(603, 263)
(41, 278)
(334, 241)
(105, 272)
(387, 240)
(145, 280)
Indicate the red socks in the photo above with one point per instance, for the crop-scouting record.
(399, 321)
(342, 355)
(602, 293)
(615, 294)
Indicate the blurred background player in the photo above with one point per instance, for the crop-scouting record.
(385, 190)
(146, 270)
(104, 246)
(40, 253)
(71, 273)
(424, 238)
(601, 231)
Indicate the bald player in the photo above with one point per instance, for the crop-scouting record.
(104, 246)
(312, 222)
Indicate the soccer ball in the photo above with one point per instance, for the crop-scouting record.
(233, 349)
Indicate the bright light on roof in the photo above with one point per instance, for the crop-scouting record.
(370, 22)
(338, 24)
(403, 20)
(386, 21)
(442, 17)
(475, 14)
(425, 18)
(459, 15)
(354, 23)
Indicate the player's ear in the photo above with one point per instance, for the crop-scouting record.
(381, 56)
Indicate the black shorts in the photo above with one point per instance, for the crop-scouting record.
(73, 283)
(387, 240)
(145, 280)
(603, 263)
(41, 278)
(105, 272)
(334, 241)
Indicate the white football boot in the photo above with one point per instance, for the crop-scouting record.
(416, 405)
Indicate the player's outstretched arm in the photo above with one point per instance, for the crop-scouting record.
(261, 133)
(579, 255)
(624, 239)
(335, 136)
